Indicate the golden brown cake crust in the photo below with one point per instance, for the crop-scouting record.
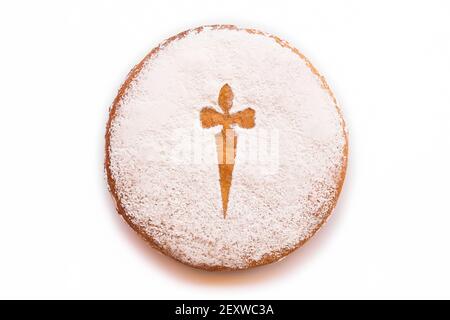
(268, 258)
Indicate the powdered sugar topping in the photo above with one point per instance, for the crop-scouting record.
(160, 158)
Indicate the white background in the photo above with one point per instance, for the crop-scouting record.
(388, 62)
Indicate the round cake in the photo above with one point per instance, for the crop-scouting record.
(225, 148)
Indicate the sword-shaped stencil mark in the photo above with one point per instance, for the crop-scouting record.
(226, 140)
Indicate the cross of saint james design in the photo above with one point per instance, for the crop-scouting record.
(226, 140)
